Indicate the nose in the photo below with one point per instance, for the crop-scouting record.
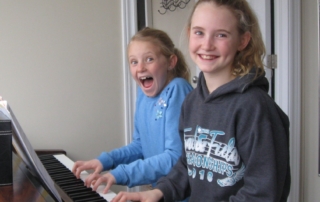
(141, 67)
(208, 43)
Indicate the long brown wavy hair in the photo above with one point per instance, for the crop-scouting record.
(252, 56)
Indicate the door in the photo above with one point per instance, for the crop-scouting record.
(172, 16)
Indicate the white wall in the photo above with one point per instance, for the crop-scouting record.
(61, 73)
(310, 181)
(174, 23)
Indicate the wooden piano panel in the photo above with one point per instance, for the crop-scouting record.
(25, 187)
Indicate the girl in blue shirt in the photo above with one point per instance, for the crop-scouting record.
(162, 75)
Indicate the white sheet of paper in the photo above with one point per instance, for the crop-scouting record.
(26, 151)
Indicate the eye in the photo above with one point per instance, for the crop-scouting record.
(198, 33)
(150, 59)
(221, 35)
(133, 62)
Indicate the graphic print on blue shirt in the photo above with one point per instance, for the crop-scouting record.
(160, 105)
(211, 157)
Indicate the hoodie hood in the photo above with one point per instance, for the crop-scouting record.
(237, 85)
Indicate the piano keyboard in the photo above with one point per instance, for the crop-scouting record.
(59, 168)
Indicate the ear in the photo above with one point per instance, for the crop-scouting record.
(173, 61)
(244, 40)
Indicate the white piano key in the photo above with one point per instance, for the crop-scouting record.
(66, 161)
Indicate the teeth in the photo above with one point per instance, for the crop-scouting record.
(145, 77)
(206, 57)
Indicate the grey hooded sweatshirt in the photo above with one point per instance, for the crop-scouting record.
(235, 145)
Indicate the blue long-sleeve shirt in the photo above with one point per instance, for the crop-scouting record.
(156, 145)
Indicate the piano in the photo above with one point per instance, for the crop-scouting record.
(59, 168)
(38, 178)
(26, 188)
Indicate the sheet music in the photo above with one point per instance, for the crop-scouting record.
(26, 151)
(4, 109)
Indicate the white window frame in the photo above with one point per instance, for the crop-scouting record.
(288, 79)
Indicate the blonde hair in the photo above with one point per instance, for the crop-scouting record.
(161, 39)
(251, 56)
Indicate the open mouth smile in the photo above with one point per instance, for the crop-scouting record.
(146, 81)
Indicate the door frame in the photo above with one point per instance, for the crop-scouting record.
(287, 77)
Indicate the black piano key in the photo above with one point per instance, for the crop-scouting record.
(54, 165)
(74, 186)
(44, 157)
(50, 169)
(49, 162)
(58, 172)
(55, 172)
(78, 190)
(90, 200)
(46, 161)
(74, 189)
(87, 199)
(97, 200)
(83, 194)
(65, 186)
(66, 172)
(58, 177)
(69, 182)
